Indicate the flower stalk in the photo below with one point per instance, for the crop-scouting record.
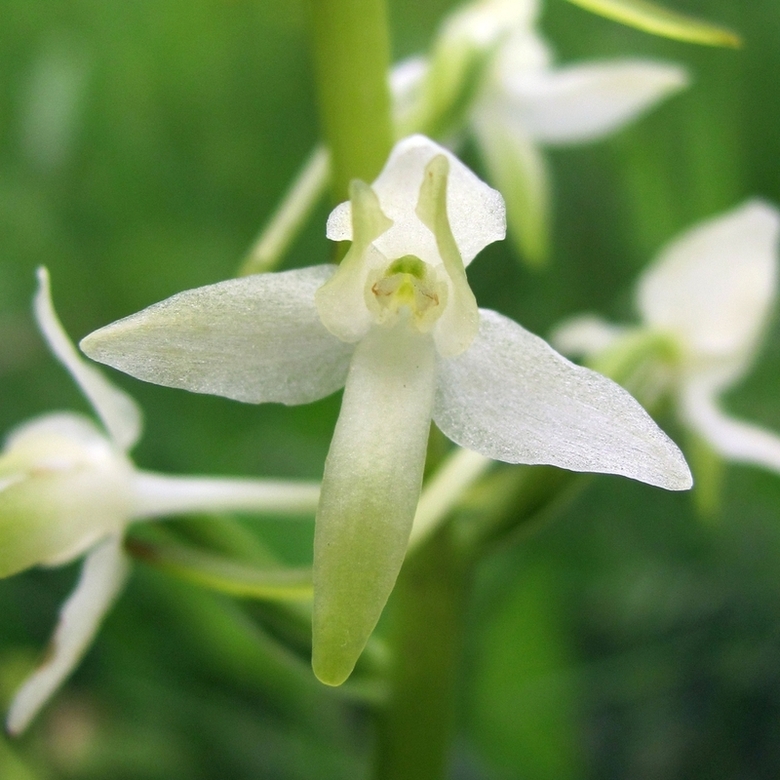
(351, 50)
(291, 215)
(415, 729)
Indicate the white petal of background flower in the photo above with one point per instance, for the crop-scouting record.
(735, 440)
(406, 81)
(587, 334)
(513, 398)
(21, 443)
(118, 412)
(485, 20)
(712, 288)
(103, 576)
(517, 167)
(580, 103)
(523, 52)
(255, 339)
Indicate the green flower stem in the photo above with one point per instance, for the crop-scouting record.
(352, 58)
(708, 469)
(162, 494)
(233, 646)
(521, 500)
(290, 216)
(225, 575)
(428, 607)
(441, 494)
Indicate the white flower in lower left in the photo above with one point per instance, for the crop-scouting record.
(67, 488)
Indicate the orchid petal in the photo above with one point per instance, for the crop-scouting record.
(733, 439)
(713, 287)
(518, 168)
(511, 397)
(585, 335)
(103, 575)
(465, 48)
(485, 21)
(372, 481)
(586, 102)
(254, 339)
(70, 489)
(33, 433)
(118, 412)
(341, 300)
(476, 210)
(406, 78)
(458, 325)
(523, 52)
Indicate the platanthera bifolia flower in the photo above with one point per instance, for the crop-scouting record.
(710, 292)
(398, 324)
(490, 66)
(68, 488)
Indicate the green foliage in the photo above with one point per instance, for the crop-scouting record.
(185, 122)
(657, 19)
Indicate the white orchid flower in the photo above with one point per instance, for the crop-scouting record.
(489, 55)
(490, 73)
(710, 292)
(398, 324)
(67, 488)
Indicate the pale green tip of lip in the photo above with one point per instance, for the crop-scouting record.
(332, 669)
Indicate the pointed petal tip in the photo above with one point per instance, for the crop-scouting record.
(663, 464)
(586, 102)
(511, 397)
(118, 411)
(681, 478)
(103, 575)
(676, 76)
(760, 211)
(89, 344)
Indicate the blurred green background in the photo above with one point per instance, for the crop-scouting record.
(142, 145)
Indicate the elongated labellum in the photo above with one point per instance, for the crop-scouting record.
(370, 489)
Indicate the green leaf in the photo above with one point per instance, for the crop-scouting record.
(658, 20)
(225, 575)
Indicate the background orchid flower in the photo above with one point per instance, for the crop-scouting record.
(68, 488)
(710, 292)
(491, 73)
(489, 57)
(398, 324)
